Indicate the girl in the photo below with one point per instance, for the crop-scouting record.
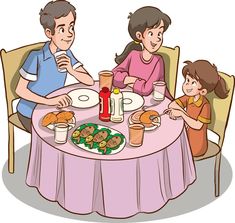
(201, 77)
(138, 65)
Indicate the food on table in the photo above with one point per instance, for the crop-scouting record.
(76, 134)
(58, 117)
(87, 131)
(145, 117)
(94, 138)
(84, 134)
(61, 120)
(149, 118)
(67, 115)
(102, 144)
(89, 138)
(136, 117)
(48, 119)
(114, 142)
(101, 135)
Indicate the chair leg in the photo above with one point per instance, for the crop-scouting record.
(11, 152)
(217, 174)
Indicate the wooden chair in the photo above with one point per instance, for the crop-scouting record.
(171, 60)
(11, 63)
(220, 116)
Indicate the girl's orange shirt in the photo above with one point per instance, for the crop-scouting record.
(201, 111)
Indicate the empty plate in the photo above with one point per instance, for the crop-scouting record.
(132, 101)
(84, 98)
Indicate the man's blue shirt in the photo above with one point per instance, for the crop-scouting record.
(41, 70)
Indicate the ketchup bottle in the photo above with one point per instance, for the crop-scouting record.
(104, 95)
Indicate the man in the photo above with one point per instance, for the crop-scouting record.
(42, 72)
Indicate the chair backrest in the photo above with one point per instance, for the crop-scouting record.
(11, 64)
(221, 109)
(171, 61)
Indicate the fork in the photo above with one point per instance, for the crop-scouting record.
(152, 117)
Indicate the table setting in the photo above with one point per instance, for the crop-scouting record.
(112, 151)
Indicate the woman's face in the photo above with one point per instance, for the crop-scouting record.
(152, 38)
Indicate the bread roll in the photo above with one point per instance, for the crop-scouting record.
(48, 119)
(145, 117)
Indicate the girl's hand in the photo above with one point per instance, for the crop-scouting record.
(130, 80)
(173, 113)
(64, 62)
(60, 101)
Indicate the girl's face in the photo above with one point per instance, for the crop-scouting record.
(192, 87)
(152, 38)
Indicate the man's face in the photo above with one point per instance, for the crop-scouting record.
(152, 38)
(64, 32)
(191, 86)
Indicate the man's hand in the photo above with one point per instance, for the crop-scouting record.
(64, 62)
(60, 101)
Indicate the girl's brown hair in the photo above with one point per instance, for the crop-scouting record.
(207, 75)
(145, 17)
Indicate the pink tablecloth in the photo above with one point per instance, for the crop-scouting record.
(135, 180)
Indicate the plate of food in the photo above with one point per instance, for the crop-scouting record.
(98, 139)
(132, 101)
(149, 118)
(56, 117)
(84, 98)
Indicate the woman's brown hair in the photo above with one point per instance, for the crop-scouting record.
(207, 75)
(145, 17)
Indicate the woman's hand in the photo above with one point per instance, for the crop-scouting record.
(60, 101)
(130, 80)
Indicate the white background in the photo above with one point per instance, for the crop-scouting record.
(202, 29)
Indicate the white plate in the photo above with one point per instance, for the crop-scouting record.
(84, 98)
(71, 124)
(113, 131)
(157, 124)
(132, 101)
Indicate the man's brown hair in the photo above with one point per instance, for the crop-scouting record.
(207, 75)
(54, 10)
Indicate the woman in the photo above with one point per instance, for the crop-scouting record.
(138, 65)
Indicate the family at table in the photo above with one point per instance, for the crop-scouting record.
(167, 158)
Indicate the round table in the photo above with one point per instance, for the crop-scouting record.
(121, 185)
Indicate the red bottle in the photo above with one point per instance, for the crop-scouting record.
(104, 95)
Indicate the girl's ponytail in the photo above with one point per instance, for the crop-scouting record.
(220, 89)
(129, 47)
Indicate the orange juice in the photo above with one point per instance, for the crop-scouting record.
(136, 134)
(106, 79)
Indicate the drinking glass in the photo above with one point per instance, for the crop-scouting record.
(61, 132)
(57, 54)
(159, 88)
(136, 134)
(106, 79)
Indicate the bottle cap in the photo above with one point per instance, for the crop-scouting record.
(105, 89)
(116, 91)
